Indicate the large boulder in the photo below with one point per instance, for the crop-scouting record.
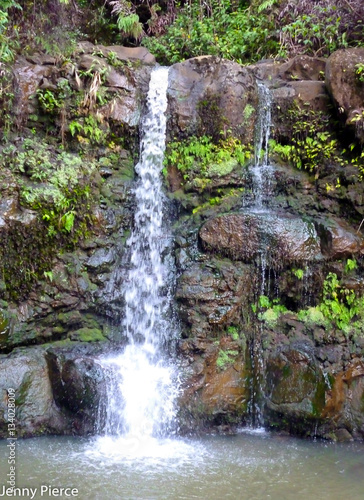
(211, 295)
(243, 236)
(345, 401)
(27, 79)
(295, 384)
(26, 372)
(215, 388)
(78, 383)
(313, 385)
(208, 95)
(338, 239)
(345, 88)
(301, 67)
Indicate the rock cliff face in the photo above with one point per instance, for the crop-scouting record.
(254, 346)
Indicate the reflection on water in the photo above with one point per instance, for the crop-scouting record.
(251, 466)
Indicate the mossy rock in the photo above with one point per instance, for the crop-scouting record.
(87, 335)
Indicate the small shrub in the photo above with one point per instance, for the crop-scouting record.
(201, 156)
(225, 358)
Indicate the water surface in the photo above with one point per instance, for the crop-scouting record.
(251, 466)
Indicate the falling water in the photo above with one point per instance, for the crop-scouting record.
(142, 388)
(262, 174)
(262, 171)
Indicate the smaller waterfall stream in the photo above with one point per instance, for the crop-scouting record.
(262, 171)
(262, 176)
(142, 387)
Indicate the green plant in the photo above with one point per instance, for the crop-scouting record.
(48, 275)
(8, 35)
(52, 183)
(264, 301)
(339, 304)
(266, 4)
(308, 153)
(218, 200)
(6, 100)
(233, 331)
(48, 101)
(359, 72)
(221, 28)
(313, 316)
(201, 156)
(127, 19)
(299, 273)
(226, 358)
(317, 33)
(269, 310)
(311, 144)
(350, 265)
(89, 130)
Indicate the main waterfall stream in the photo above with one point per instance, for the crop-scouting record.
(142, 384)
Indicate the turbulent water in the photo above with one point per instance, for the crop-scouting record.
(141, 383)
(245, 467)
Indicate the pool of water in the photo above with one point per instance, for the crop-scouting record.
(248, 466)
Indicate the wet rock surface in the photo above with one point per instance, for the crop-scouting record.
(244, 236)
(206, 93)
(345, 88)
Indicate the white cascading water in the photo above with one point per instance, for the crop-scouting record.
(262, 171)
(142, 385)
(262, 174)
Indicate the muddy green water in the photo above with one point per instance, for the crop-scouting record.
(249, 466)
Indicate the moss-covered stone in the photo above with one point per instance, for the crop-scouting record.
(87, 335)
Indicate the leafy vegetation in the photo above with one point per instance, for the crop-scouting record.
(339, 304)
(217, 28)
(244, 31)
(200, 156)
(265, 28)
(312, 143)
(268, 310)
(226, 358)
(359, 72)
(53, 184)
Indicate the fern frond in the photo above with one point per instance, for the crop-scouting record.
(130, 25)
(266, 4)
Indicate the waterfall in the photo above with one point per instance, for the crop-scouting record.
(262, 176)
(141, 382)
(262, 172)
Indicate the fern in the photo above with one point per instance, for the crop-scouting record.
(266, 4)
(128, 21)
(130, 25)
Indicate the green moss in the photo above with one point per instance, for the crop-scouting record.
(70, 318)
(286, 372)
(87, 335)
(318, 401)
(57, 187)
(22, 391)
(270, 317)
(233, 331)
(313, 317)
(58, 330)
(4, 323)
(226, 358)
(221, 169)
(248, 112)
